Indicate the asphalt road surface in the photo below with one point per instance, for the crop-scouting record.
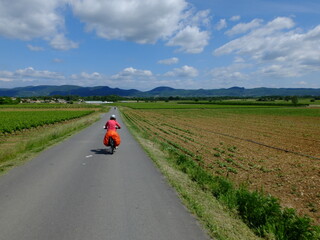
(76, 190)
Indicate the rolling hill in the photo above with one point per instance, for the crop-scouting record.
(47, 90)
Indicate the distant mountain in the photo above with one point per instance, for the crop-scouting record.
(30, 91)
(96, 91)
(232, 92)
(46, 90)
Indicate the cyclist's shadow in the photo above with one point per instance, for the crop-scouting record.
(102, 151)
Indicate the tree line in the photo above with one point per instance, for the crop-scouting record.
(116, 98)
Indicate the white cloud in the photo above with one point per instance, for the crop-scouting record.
(302, 83)
(169, 61)
(35, 48)
(128, 78)
(6, 74)
(57, 60)
(281, 71)
(32, 76)
(91, 79)
(278, 24)
(235, 18)
(2, 79)
(130, 72)
(231, 74)
(29, 19)
(26, 20)
(200, 18)
(185, 72)
(221, 24)
(136, 20)
(60, 42)
(238, 59)
(277, 50)
(273, 44)
(190, 40)
(244, 27)
(87, 76)
(260, 39)
(30, 72)
(145, 21)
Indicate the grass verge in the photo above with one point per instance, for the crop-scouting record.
(225, 211)
(17, 148)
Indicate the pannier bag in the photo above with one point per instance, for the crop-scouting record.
(114, 135)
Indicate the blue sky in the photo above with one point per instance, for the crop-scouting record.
(143, 44)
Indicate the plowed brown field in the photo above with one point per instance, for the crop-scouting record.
(276, 153)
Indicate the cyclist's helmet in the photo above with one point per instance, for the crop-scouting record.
(113, 117)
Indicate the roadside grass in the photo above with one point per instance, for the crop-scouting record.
(259, 211)
(15, 149)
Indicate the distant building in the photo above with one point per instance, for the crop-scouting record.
(61, 101)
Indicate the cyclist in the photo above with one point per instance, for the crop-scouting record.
(112, 125)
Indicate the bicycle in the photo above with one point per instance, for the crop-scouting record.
(111, 142)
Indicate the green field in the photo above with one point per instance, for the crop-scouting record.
(12, 121)
(194, 105)
(48, 105)
(26, 129)
(256, 109)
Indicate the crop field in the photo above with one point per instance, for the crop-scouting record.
(27, 116)
(47, 106)
(27, 129)
(12, 121)
(192, 105)
(276, 150)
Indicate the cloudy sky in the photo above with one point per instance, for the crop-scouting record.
(144, 44)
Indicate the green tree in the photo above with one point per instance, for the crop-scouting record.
(295, 100)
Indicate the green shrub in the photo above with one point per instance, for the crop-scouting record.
(185, 164)
(291, 226)
(257, 209)
(220, 186)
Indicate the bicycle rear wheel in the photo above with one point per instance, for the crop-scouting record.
(112, 144)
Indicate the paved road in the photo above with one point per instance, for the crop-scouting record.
(75, 190)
